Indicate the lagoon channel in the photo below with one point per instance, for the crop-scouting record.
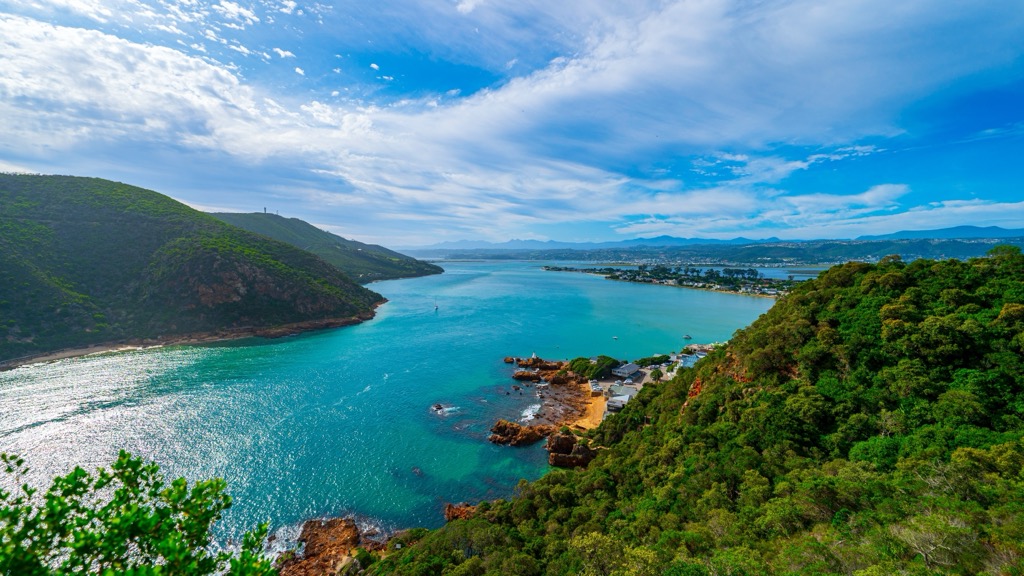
(339, 422)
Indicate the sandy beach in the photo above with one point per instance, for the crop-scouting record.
(594, 414)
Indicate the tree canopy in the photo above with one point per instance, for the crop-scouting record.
(123, 520)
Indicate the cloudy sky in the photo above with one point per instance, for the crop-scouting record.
(410, 122)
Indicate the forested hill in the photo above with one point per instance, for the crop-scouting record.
(362, 262)
(85, 260)
(869, 424)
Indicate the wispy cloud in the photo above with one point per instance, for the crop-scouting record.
(236, 12)
(648, 117)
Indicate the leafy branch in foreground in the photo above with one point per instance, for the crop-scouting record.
(125, 519)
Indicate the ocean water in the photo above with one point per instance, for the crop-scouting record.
(340, 422)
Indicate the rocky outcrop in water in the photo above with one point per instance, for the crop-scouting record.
(513, 434)
(565, 451)
(527, 376)
(327, 548)
(539, 363)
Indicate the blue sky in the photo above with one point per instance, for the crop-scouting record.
(410, 123)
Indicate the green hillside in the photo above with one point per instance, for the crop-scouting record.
(870, 423)
(85, 260)
(362, 262)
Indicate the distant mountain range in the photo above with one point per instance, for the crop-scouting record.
(364, 263)
(958, 232)
(555, 245)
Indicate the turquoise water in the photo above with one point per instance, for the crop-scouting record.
(339, 422)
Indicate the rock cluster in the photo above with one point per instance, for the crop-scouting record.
(461, 511)
(527, 376)
(565, 451)
(536, 369)
(328, 544)
(505, 432)
(539, 363)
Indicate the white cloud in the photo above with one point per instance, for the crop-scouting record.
(300, 71)
(287, 6)
(97, 10)
(374, 66)
(467, 6)
(283, 53)
(236, 12)
(100, 88)
(170, 29)
(879, 197)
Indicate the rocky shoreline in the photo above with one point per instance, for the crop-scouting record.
(564, 395)
(566, 399)
(269, 332)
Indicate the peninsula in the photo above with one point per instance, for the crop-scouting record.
(735, 280)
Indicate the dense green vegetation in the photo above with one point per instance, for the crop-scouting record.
(602, 368)
(85, 260)
(872, 422)
(652, 360)
(362, 262)
(123, 520)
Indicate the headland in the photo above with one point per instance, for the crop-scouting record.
(269, 332)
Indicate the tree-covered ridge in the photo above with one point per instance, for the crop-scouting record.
(85, 260)
(362, 262)
(870, 423)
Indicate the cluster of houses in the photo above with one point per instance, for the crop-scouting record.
(688, 360)
(630, 378)
(762, 287)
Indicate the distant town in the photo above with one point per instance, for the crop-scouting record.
(737, 280)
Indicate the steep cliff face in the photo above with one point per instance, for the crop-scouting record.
(566, 451)
(88, 261)
(204, 283)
